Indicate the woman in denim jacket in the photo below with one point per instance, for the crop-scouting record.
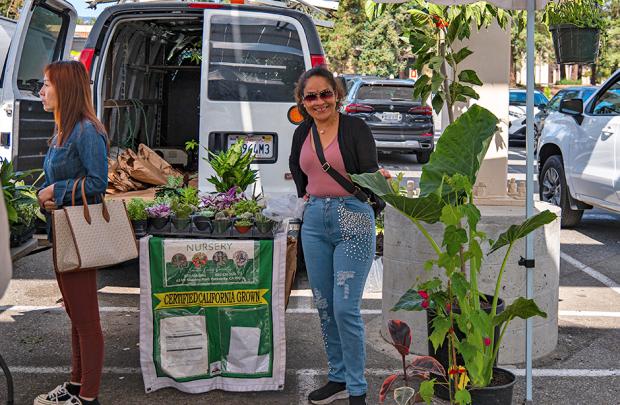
(77, 149)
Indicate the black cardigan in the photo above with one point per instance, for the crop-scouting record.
(357, 147)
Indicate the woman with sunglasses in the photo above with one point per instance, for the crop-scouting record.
(338, 232)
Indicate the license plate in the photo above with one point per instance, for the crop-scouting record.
(260, 145)
(391, 116)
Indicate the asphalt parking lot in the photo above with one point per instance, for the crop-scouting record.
(584, 369)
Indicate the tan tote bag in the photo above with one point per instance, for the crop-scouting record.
(89, 237)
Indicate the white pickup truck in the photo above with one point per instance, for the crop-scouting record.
(579, 154)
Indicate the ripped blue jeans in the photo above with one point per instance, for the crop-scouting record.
(338, 238)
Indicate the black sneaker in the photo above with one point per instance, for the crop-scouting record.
(58, 395)
(75, 400)
(328, 393)
(357, 400)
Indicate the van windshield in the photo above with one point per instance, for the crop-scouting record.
(41, 46)
(253, 59)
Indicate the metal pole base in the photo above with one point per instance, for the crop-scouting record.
(9, 382)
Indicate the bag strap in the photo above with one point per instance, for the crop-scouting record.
(340, 179)
(104, 208)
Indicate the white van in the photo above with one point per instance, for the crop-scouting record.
(167, 73)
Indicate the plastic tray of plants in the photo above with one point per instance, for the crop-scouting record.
(186, 213)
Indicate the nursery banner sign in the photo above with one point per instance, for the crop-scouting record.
(212, 314)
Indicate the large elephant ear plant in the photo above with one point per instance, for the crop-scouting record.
(447, 197)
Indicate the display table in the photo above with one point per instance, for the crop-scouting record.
(212, 314)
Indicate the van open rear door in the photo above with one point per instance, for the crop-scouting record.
(44, 34)
(251, 61)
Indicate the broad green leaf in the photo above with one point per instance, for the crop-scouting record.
(462, 397)
(468, 92)
(521, 308)
(427, 208)
(440, 328)
(374, 182)
(461, 55)
(427, 390)
(369, 9)
(410, 301)
(469, 76)
(516, 232)
(460, 286)
(460, 149)
(437, 102)
(472, 213)
(450, 215)
(436, 82)
(428, 265)
(453, 238)
(402, 395)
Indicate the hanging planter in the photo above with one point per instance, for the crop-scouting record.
(575, 27)
(573, 44)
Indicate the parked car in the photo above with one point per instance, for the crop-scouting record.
(579, 153)
(399, 123)
(582, 92)
(165, 73)
(516, 112)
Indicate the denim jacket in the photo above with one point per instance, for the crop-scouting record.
(84, 154)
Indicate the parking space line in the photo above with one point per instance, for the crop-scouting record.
(590, 314)
(591, 272)
(314, 372)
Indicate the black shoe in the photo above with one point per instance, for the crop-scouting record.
(357, 400)
(58, 395)
(328, 393)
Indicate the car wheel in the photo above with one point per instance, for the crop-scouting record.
(553, 189)
(423, 157)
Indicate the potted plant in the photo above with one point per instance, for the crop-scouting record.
(263, 224)
(202, 219)
(244, 222)
(242, 206)
(232, 168)
(447, 197)
(136, 210)
(181, 218)
(575, 27)
(221, 223)
(171, 189)
(21, 202)
(191, 147)
(189, 195)
(158, 215)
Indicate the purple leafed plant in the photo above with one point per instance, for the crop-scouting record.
(159, 211)
(221, 201)
(421, 367)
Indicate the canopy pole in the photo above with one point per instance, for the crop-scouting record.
(529, 241)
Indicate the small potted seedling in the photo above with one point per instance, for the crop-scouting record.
(221, 223)
(136, 210)
(159, 215)
(181, 218)
(263, 224)
(244, 222)
(202, 219)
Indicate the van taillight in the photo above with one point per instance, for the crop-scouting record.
(205, 5)
(86, 57)
(317, 60)
(421, 110)
(358, 108)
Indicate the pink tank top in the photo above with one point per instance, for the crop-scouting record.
(321, 184)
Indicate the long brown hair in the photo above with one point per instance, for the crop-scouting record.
(73, 98)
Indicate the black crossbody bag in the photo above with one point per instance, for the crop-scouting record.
(375, 202)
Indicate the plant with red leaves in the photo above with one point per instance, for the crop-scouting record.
(420, 367)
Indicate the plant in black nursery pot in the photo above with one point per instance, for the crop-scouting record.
(181, 218)
(263, 224)
(159, 215)
(221, 223)
(136, 209)
(202, 219)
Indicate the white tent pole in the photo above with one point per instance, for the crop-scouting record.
(529, 208)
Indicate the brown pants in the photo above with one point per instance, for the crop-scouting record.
(79, 293)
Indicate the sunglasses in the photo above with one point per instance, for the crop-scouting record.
(324, 95)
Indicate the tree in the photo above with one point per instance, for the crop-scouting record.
(10, 8)
(342, 43)
(609, 59)
(542, 43)
(382, 49)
